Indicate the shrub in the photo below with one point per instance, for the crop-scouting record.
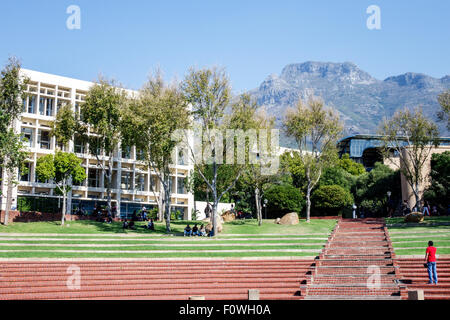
(283, 199)
(331, 200)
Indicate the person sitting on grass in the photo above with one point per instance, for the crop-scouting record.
(151, 225)
(187, 231)
(430, 260)
(131, 225)
(125, 224)
(195, 230)
(202, 231)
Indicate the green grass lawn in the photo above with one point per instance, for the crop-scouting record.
(427, 220)
(45, 239)
(406, 236)
(236, 227)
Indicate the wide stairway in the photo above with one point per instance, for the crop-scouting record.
(276, 279)
(356, 264)
(415, 276)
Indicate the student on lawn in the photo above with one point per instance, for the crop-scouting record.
(202, 231)
(195, 230)
(430, 259)
(187, 231)
(151, 225)
(125, 224)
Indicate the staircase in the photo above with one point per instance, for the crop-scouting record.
(357, 251)
(415, 276)
(215, 279)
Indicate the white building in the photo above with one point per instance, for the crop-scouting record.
(133, 181)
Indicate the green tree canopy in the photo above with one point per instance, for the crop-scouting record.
(63, 169)
(331, 200)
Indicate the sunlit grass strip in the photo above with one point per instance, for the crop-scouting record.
(408, 251)
(185, 243)
(54, 255)
(150, 248)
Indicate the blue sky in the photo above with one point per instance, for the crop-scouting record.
(125, 40)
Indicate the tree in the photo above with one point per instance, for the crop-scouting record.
(208, 92)
(102, 113)
(412, 137)
(62, 168)
(66, 125)
(282, 199)
(245, 116)
(438, 191)
(158, 112)
(351, 166)
(332, 199)
(316, 130)
(370, 189)
(444, 101)
(12, 92)
(12, 152)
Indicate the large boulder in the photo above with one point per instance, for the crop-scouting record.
(219, 225)
(289, 219)
(228, 216)
(414, 217)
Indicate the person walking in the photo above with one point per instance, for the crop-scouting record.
(426, 208)
(430, 259)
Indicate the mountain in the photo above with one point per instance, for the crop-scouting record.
(361, 100)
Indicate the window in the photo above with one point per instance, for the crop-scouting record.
(41, 106)
(28, 135)
(126, 152)
(49, 110)
(93, 178)
(140, 156)
(44, 139)
(125, 181)
(25, 177)
(139, 182)
(46, 106)
(79, 146)
(29, 104)
(181, 188)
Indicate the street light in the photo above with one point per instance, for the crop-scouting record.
(354, 211)
(265, 206)
(389, 203)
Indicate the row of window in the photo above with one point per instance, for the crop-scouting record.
(126, 181)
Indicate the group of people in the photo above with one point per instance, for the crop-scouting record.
(195, 231)
(130, 224)
(427, 209)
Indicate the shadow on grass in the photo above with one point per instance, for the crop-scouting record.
(116, 227)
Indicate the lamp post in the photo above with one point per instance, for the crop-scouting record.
(354, 211)
(265, 207)
(389, 202)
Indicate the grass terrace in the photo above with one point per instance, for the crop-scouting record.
(90, 239)
(412, 239)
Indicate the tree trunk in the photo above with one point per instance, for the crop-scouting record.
(416, 195)
(308, 203)
(214, 216)
(9, 195)
(108, 187)
(258, 206)
(167, 206)
(63, 213)
(161, 203)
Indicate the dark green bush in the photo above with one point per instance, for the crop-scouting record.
(331, 200)
(283, 199)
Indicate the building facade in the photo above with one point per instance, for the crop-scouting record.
(365, 149)
(134, 184)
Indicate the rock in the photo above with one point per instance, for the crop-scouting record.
(289, 219)
(228, 216)
(414, 217)
(219, 225)
(277, 221)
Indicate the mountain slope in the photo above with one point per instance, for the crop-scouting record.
(361, 100)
